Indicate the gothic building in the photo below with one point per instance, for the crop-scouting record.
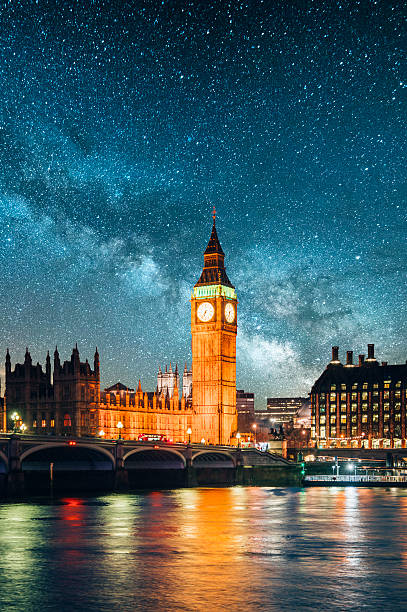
(169, 379)
(144, 413)
(68, 401)
(187, 384)
(71, 403)
(68, 404)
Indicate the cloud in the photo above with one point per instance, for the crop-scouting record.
(71, 252)
(143, 278)
(275, 361)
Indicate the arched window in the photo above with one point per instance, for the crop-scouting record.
(67, 420)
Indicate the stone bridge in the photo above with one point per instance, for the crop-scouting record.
(26, 461)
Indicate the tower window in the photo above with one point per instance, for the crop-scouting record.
(67, 420)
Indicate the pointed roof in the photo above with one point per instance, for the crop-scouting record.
(118, 387)
(214, 271)
(214, 244)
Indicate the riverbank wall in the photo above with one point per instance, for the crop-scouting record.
(20, 484)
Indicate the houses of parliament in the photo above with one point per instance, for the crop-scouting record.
(67, 399)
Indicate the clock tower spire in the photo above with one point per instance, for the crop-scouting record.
(214, 329)
(214, 270)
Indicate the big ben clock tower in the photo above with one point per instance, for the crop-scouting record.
(214, 328)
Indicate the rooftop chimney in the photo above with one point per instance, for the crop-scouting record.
(361, 360)
(349, 358)
(370, 352)
(335, 353)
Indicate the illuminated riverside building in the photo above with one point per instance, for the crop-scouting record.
(214, 329)
(73, 404)
(360, 405)
(69, 400)
(67, 404)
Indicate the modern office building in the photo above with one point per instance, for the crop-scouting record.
(245, 410)
(282, 409)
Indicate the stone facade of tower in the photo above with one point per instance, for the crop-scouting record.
(214, 329)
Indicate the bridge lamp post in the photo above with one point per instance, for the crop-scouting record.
(203, 441)
(120, 427)
(23, 427)
(189, 431)
(15, 417)
(238, 439)
(101, 434)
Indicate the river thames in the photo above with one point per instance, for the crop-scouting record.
(207, 549)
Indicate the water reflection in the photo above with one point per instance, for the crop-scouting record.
(207, 549)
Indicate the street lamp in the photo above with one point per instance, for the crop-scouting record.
(254, 426)
(238, 439)
(15, 417)
(189, 431)
(203, 441)
(101, 433)
(23, 427)
(120, 427)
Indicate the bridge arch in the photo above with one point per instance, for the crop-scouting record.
(154, 458)
(74, 451)
(213, 458)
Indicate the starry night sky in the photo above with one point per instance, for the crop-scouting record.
(123, 123)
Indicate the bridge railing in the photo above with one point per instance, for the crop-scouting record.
(357, 478)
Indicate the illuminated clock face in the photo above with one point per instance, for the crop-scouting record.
(229, 313)
(205, 311)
